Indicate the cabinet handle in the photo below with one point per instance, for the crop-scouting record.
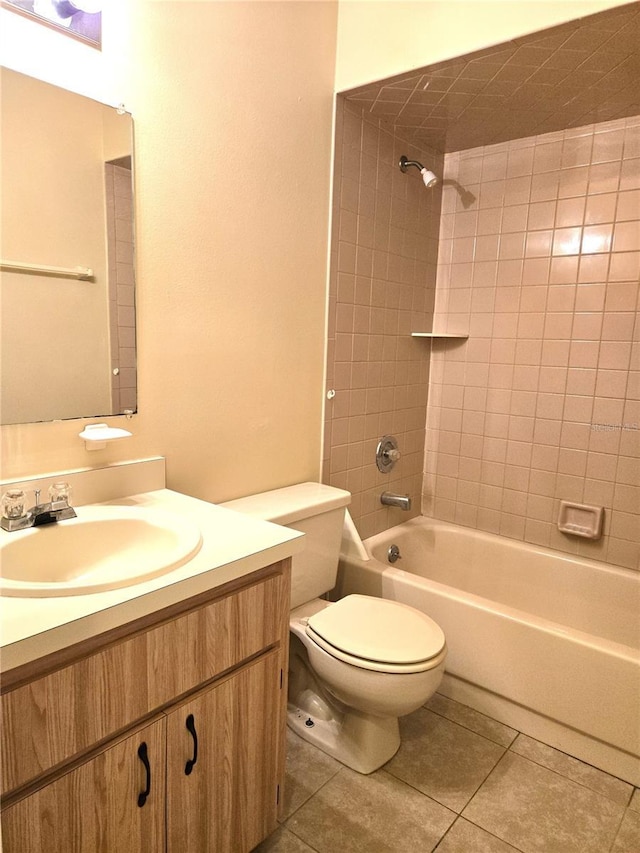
(143, 756)
(191, 728)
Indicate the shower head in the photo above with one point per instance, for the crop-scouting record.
(429, 178)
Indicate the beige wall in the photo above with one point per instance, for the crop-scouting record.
(542, 403)
(233, 114)
(382, 38)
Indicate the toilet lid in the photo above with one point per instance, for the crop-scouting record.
(375, 629)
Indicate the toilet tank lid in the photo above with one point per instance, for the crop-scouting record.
(292, 503)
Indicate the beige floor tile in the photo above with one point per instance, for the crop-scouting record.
(283, 841)
(377, 814)
(308, 769)
(628, 840)
(635, 801)
(465, 837)
(471, 719)
(574, 769)
(539, 811)
(442, 759)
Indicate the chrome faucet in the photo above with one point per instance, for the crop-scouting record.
(401, 501)
(16, 517)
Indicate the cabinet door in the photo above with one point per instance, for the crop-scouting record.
(95, 808)
(226, 800)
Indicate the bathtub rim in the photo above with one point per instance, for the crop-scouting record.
(356, 548)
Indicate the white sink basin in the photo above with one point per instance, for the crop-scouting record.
(105, 547)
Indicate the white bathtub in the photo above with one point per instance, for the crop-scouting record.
(544, 642)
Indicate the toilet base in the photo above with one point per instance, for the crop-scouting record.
(360, 741)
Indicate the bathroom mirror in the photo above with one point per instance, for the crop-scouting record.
(67, 322)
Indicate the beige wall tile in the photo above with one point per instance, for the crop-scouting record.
(386, 274)
(542, 270)
(558, 344)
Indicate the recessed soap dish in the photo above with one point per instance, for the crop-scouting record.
(580, 520)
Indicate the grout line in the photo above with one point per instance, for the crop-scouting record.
(569, 778)
(306, 843)
(473, 731)
(435, 849)
(509, 748)
(619, 827)
(418, 791)
(313, 793)
(492, 834)
(481, 785)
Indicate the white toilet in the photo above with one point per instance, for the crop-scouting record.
(355, 665)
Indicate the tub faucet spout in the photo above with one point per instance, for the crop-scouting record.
(389, 499)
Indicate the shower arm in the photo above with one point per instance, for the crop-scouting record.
(405, 163)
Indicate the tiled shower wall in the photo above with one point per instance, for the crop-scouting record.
(543, 401)
(382, 286)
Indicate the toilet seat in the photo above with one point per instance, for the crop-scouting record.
(377, 634)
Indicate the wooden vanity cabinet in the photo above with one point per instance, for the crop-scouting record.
(94, 808)
(213, 803)
(213, 732)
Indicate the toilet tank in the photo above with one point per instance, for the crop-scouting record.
(315, 510)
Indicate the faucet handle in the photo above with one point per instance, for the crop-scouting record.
(60, 493)
(13, 503)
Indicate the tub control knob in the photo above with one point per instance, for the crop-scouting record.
(387, 453)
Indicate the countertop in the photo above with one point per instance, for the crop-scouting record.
(233, 545)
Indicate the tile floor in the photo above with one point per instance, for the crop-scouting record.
(460, 783)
